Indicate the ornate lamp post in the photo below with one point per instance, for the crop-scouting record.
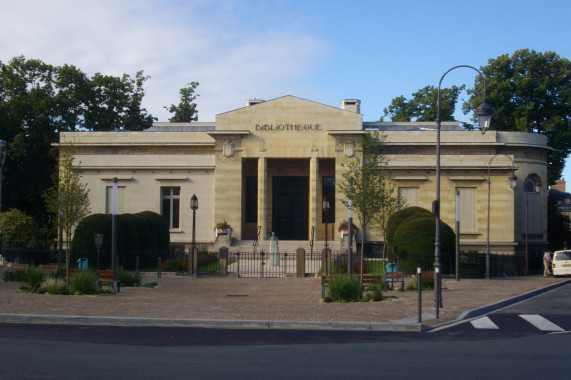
(98, 238)
(513, 181)
(193, 207)
(484, 113)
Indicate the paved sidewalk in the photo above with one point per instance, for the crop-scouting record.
(281, 303)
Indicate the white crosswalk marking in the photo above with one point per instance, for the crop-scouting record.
(484, 323)
(540, 322)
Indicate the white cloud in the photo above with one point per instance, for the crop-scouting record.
(234, 57)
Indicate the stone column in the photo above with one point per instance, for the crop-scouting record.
(314, 194)
(262, 196)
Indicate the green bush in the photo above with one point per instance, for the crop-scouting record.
(143, 232)
(159, 235)
(399, 217)
(129, 279)
(376, 293)
(344, 288)
(34, 277)
(83, 282)
(427, 284)
(18, 229)
(415, 241)
(54, 286)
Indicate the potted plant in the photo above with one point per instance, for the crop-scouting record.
(344, 228)
(223, 228)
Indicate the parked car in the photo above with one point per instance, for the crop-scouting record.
(561, 263)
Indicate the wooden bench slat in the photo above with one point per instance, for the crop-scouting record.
(49, 269)
(108, 277)
(16, 267)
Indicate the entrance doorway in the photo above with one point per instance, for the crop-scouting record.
(290, 207)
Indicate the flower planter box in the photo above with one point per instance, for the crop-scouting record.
(223, 231)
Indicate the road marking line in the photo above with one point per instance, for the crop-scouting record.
(484, 323)
(540, 322)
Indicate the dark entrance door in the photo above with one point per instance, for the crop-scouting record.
(290, 207)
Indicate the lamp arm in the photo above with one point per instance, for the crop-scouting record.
(440, 83)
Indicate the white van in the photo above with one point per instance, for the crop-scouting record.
(561, 263)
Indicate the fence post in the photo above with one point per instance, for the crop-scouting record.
(223, 261)
(159, 267)
(300, 263)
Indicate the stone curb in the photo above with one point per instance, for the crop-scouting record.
(210, 323)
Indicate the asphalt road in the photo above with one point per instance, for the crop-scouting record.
(461, 351)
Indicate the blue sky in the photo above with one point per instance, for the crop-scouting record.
(323, 51)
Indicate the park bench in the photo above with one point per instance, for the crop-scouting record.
(17, 268)
(50, 270)
(369, 281)
(108, 277)
(392, 277)
(70, 272)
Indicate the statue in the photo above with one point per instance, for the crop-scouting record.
(274, 250)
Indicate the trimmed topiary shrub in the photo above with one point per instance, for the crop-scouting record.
(143, 232)
(158, 229)
(399, 217)
(414, 242)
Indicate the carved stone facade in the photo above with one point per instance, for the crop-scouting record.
(266, 167)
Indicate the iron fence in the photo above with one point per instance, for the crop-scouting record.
(282, 264)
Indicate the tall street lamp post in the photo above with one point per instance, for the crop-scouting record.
(2, 158)
(513, 181)
(484, 113)
(193, 207)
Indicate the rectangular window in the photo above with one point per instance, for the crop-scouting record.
(408, 196)
(251, 199)
(328, 192)
(120, 199)
(170, 205)
(468, 203)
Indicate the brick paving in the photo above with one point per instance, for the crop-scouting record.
(282, 299)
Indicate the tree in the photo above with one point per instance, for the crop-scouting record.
(530, 92)
(423, 105)
(67, 199)
(365, 183)
(389, 204)
(185, 111)
(18, 229)
(37, 101)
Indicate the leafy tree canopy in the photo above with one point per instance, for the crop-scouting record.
(186, 110)
(424, 105)
(530, 92)
(37, 101)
